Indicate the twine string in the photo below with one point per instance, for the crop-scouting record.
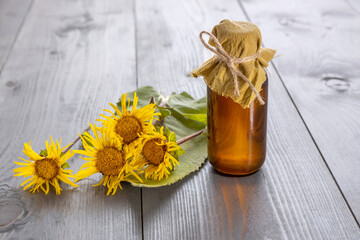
(230, 61)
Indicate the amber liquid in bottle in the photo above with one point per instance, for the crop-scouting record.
(236, 135)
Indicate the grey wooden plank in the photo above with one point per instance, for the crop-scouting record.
(70, 60)
(12, 14)
(293, 197)
(320, 65)
(156, 41)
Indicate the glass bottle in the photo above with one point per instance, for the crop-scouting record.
(236, 135)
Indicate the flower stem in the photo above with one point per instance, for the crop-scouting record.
(75, 140)
(191, 136)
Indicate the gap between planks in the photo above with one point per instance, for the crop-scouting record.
(137, 86)
(305, 124)
(16, 36)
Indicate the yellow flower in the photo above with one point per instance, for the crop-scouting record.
(155, 152)
(45, 170)
(129, 125)
(107, 155)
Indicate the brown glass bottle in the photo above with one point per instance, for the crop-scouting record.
(236, 135)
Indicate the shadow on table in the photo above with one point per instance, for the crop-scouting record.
(27, 215)
(225, 206)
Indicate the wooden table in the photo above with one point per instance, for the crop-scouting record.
(62, 62)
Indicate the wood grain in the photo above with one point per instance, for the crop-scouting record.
(12, 15)
(70, 59)
(292, 197)
(73, 57)
(320, 65)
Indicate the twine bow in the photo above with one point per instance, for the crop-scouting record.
(230, 61)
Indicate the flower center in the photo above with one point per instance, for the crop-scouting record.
(153, 152)
(128, 128)
(46, 168)
(109, 161)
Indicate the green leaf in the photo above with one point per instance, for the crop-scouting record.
(179, 152)
(187, 116)
(86, 139)
(144, 94)
(167, 133)
(187, 106)
(43, 153)
(65, 165)
(164, 112)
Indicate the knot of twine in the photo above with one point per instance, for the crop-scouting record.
(230, 61)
